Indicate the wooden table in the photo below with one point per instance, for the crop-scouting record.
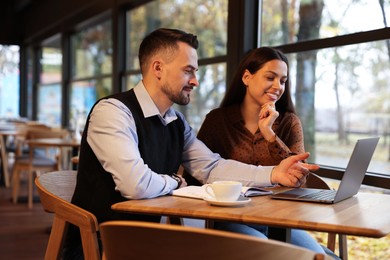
(365, 214)
(55, 142)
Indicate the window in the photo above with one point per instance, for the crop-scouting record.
(84, 94)
(91, 51)
(49, 87)
(206, 19)
(289, 21)
(341, 90)
(9, 81)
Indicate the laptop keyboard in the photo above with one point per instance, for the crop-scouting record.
(321, 195)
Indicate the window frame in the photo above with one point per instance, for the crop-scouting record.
(327, 171)
(243, 35)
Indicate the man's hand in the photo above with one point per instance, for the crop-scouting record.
(183, 182)
(292, 172)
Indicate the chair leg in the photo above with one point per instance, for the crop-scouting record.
(15, 185)
(331, 241)
(90, 244)
(30, 189)
(209, 224)
(56, 239)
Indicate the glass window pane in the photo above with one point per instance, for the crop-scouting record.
(209, 94)
(92, 51)
(9, 81)
(294, 21)
(49, 88)
(51, 62)
(49, 104)
(84, 94)
(206, 19)
(349, 89)
(132, 81)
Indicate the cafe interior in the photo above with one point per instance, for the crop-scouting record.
(72, 53)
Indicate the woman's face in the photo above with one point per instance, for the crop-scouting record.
(267, 84)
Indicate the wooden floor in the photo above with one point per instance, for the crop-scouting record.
(23, 232)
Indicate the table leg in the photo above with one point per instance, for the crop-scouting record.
(175, 221)
(281, 234)
(343, 247)
(67, 153)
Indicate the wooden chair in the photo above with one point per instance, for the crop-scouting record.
(315, 181)
(56, 190)
(35, 163)
(144, 240)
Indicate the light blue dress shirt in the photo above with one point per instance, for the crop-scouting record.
(112, 135)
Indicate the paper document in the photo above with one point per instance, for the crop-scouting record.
(254, 191)
(199, 192)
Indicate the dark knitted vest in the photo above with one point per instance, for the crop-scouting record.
(160, 146)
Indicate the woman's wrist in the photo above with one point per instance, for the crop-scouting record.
(272, 139)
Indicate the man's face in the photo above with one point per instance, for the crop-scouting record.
(179, 75)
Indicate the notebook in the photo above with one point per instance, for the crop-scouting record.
(199, 192)
(350, 183)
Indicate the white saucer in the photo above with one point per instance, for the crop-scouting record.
(241, 201)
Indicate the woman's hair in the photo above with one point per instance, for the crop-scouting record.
(253, 61)
(163, 40)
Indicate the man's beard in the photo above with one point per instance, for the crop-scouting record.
(177, 98)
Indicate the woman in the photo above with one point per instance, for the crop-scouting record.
(256, 124)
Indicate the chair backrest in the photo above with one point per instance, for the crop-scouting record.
(45, 132)
(55, 186)
(29, 132)
(143, 240)
(35, 132)
(56, 190)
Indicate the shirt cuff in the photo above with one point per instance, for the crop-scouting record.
(265, 176)
(172, 183)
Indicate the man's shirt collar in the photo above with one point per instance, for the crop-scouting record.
(149, 108)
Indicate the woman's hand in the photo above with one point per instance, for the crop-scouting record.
(267, 117)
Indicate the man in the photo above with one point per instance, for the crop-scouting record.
(134, 142)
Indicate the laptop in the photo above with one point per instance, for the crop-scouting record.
(350, 183)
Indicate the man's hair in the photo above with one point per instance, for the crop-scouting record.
(166, 40)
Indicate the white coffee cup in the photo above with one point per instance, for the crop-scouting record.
(224, 190)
